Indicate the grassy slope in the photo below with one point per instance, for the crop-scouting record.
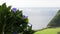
(48, 31)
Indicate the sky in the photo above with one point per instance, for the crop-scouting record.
(32, 3)
(39, 12)
(39, 17)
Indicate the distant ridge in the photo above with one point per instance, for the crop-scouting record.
(55, 22)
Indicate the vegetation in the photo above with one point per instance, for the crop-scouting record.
(55, 22)
(53, 27)
(12, 21)
(49, 31)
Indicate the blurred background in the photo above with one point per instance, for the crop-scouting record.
(39, 12)
(39, 17)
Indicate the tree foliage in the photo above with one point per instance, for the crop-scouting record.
(13, 21)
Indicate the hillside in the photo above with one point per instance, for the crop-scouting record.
(49, 31)
(55, 22)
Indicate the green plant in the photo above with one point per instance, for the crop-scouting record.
(13, 21)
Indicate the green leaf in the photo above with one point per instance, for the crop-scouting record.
(9, 7)
(4, 6)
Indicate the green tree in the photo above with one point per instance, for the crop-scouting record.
(55, 22)
(13, 21)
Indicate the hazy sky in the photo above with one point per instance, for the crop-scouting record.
(39, 17)
(39, 12)
(32, 3)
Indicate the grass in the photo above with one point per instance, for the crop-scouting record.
(49, 31)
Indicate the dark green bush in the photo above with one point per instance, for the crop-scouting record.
(13, 21)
